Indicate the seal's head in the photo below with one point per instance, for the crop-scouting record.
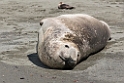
(60, 55)
(55, 48)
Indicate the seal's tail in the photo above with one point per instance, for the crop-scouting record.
(104, 23)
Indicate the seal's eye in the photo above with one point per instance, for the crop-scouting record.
(66, 46)
(41, 23)
(78, 55)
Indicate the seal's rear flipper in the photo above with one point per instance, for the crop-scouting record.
(104, 23)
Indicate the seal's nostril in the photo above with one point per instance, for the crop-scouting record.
(66, 46)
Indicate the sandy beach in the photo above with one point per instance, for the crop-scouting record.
(19, 25)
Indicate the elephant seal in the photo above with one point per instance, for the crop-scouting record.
(65, 40)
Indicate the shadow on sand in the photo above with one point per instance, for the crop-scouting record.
(35, 59)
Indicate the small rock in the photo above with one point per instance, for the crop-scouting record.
(22, 78)
(53, 77)
(75, 81)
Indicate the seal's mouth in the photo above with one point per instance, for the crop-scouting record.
(69, 62)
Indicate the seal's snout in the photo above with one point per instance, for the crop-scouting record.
(68, 55)
(69, 62)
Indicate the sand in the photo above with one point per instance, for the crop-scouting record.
(19, 25)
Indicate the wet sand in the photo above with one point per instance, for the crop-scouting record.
(19, 63)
